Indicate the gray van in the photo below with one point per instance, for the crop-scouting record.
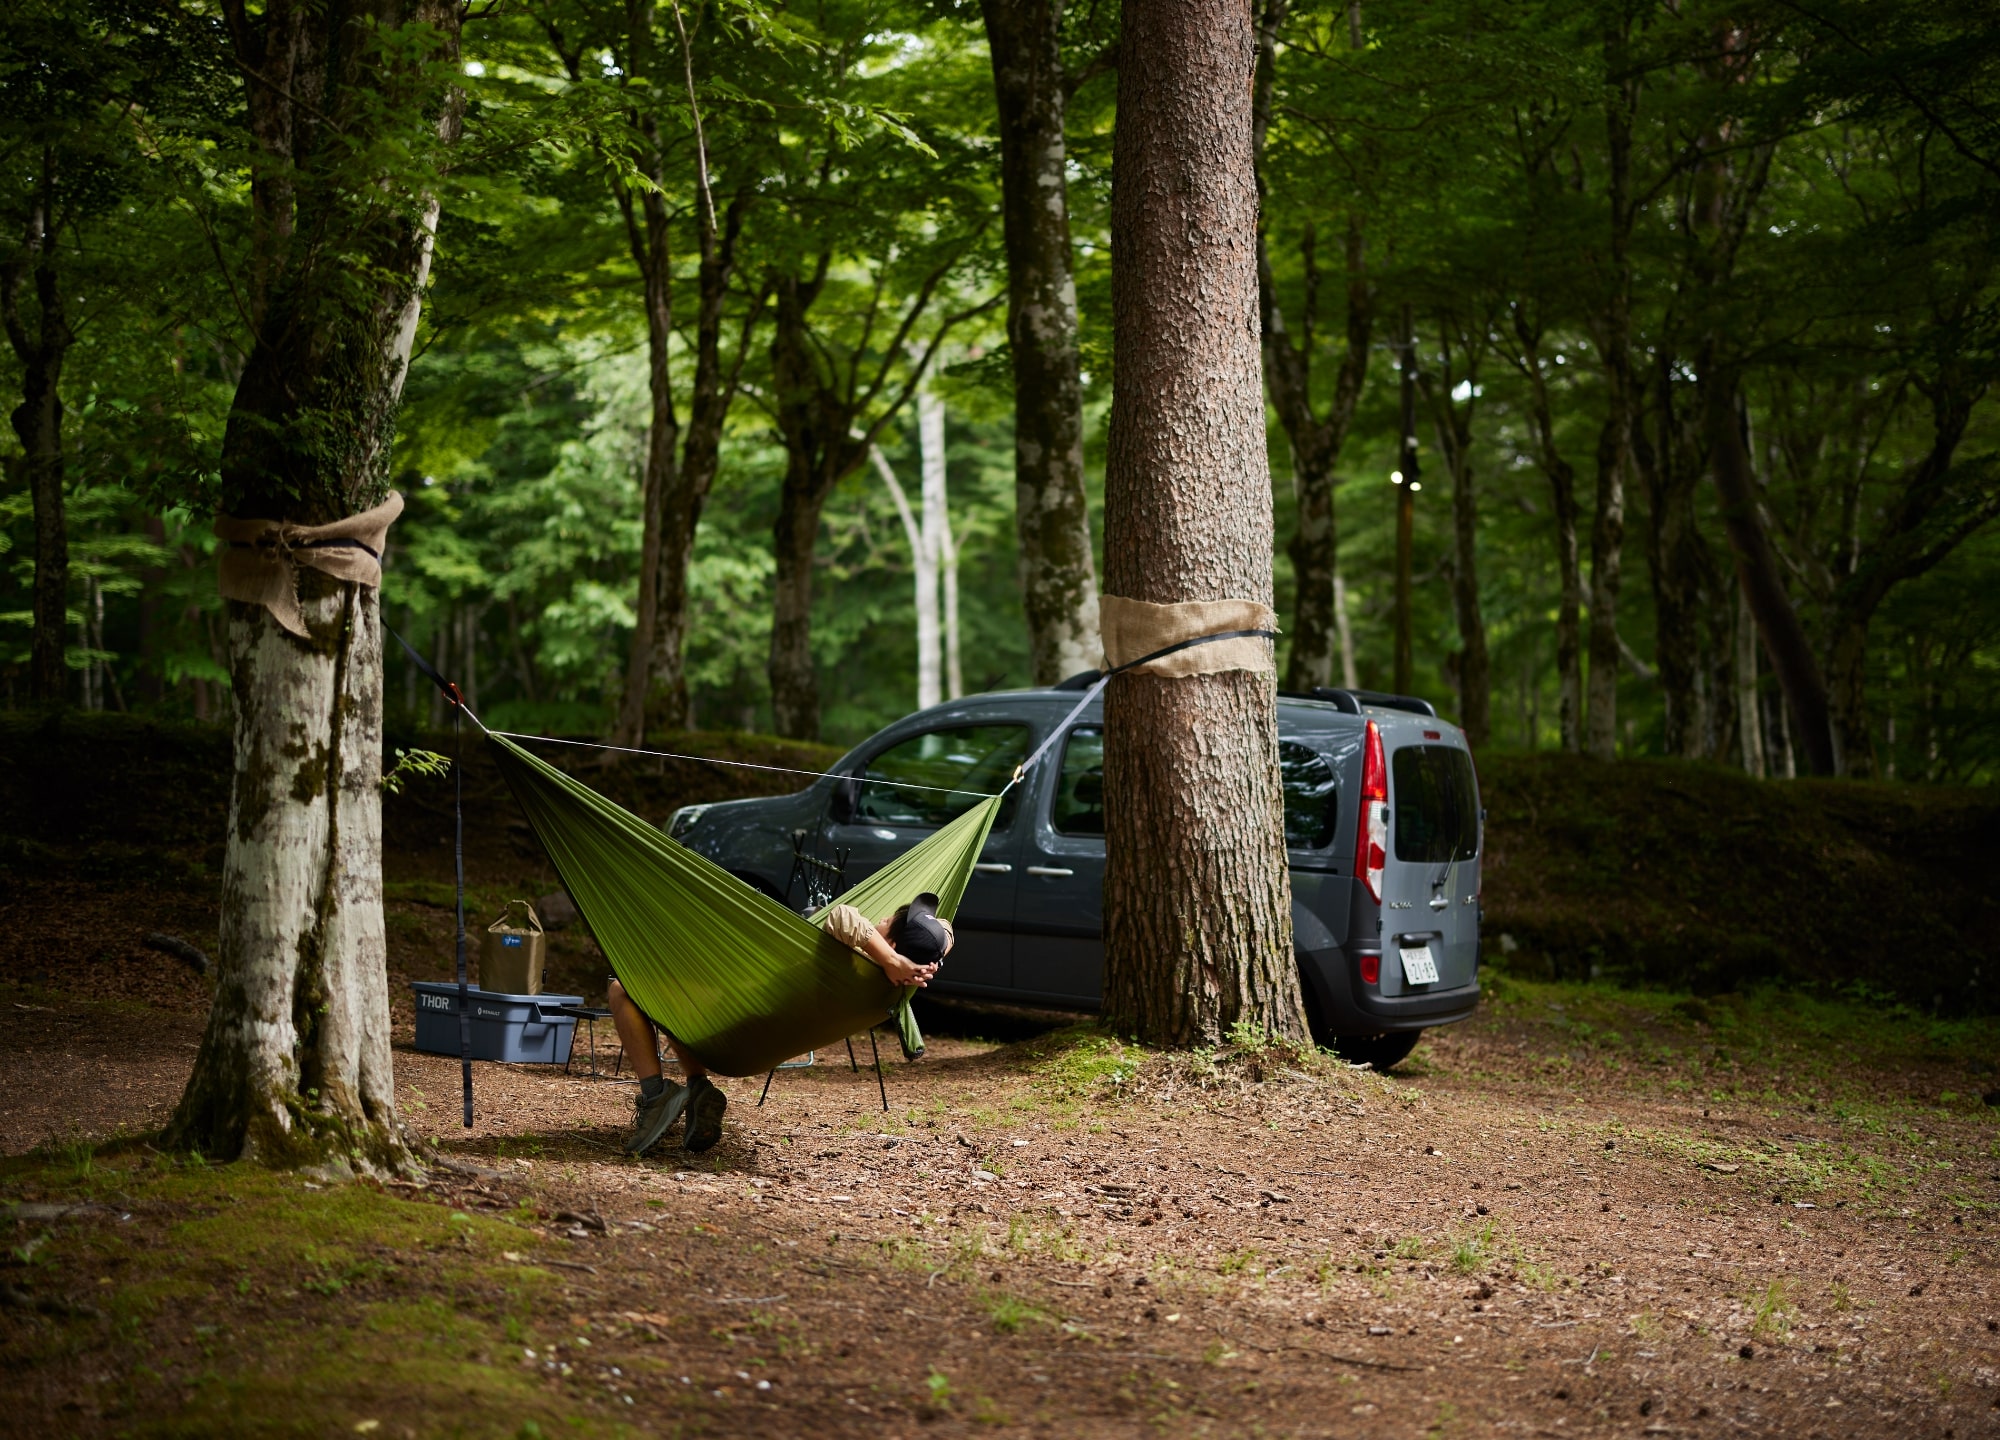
(1382, 822)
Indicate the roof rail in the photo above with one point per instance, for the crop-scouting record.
(1354, 701)
(1082, 680)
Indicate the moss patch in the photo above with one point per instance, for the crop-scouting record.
(160, 1298)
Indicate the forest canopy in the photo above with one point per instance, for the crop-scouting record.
(1673, 326)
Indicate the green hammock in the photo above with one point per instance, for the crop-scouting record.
(736, 977)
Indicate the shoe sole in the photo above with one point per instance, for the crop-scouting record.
(642, 1141)
(706, 1136)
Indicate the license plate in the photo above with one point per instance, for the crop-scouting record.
(1418, 966)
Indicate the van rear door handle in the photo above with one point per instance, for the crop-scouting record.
(1053, 870)
(988, 868)
(1440, 902)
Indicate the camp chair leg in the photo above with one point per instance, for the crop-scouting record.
(880, 1083)
(852, 1064)
(767, 1086)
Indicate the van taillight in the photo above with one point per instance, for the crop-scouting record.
(1371, 842)
(1371, 969)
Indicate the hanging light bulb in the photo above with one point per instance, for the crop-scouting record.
(1416, 485)
(1395, 477)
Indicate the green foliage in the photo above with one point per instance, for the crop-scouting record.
(1468, 144)
(413, 762)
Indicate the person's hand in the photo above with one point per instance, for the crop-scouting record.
(903, 971)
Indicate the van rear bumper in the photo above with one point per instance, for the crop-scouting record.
(1419, 1012)
(1351, 1009)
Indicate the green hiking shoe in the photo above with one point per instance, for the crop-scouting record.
(653, 1117)
(706, 1102)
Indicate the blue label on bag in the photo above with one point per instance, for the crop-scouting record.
(511, 940)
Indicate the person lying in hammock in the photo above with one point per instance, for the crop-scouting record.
(908, 946)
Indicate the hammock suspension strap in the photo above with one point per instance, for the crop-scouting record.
(451, 693)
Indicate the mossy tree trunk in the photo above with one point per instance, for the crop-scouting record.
(1197, 896)
(294, 1066)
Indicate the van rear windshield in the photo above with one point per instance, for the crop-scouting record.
(1435, 806)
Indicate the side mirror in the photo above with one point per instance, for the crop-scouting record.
(846, 799)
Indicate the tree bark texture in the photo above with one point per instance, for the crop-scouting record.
(1051, 510)
(40, 345)
(294, 1064)
(1197, 912)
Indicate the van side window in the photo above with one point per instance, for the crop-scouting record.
(1079, 803)
(1312, 796)
(977, 759)
(1311, 799)
(1434, 806)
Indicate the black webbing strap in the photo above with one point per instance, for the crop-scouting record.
(451, 693)
(1097, 685)
(1179, 646)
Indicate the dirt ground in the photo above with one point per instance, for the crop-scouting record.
(1586, 1212)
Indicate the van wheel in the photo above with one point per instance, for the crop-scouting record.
(1379, 1052)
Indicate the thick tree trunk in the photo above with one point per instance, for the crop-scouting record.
(1197, 916)
(41, 346)
(1051, 510)
(294, 1065)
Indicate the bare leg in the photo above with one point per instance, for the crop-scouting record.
(641, 1039)
(635, 1032)
(690, 1067)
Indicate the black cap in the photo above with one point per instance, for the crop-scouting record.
(920, 939)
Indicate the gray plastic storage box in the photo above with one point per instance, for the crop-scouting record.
(519, 1029)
